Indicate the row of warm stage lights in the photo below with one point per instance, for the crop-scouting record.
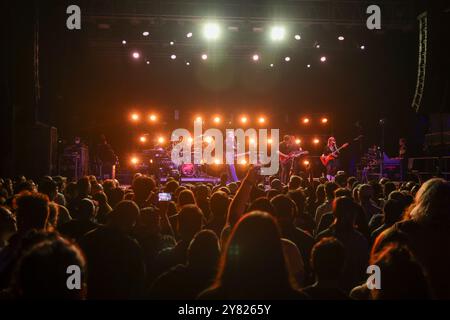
(212, 32)
(161, 140)
(153, 118)
(134, 160)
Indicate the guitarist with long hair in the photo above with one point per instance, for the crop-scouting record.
(331, 151)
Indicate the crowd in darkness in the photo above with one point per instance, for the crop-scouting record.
(241, 240)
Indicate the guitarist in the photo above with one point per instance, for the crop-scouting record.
(286, 147)
(333, 164)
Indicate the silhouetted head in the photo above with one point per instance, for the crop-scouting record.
(186, 197)
(32, 211)
(86, 210)
(115, 196)
(42, 272)
(219, 204)
(432, 202)
(84, 187)
(49, 188)
(365, 192)
(142, 188)
(344, 209)
(341, 180)
(204, 251)
(388, 188)
(284, 209)
(253, 263)
(272, 193)
(328, 259)
(393, 211)
(401, 275)
(330, 187)
(171, 186)
(342, 192)
(276, 184)
(201, 192)
(124, 215)
(299, 198)
(294, 182)
(262, 204)
(190, 221)
(101, 198)
(320, 193)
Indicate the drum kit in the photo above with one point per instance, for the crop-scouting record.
(159, 161)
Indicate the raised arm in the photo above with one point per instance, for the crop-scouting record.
(238, 205)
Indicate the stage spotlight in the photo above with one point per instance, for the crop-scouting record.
(188, 63)
(134, 160)
(190, 140)
(136, 55)
(143, 139)
(217, 161)
(316, 141)
(308, 66)
(297, 37)
(135, 117)
(161, 140)
(255, 57)
(244, 120)
(340, 38)
(208, 139)
(324, 120)
(198, 119)
(147, 62)
(251, 141)
(153, 117)
(287, 59)
(323, 59)
(173, 57)
(211, 31)
(269, 141)
(124, 42)
(171, 43)
(145, 33)
(298, 141)
(317, 46)
(189, 35)
(261, 120)
(217, 120)
(306, 163)
(362, 47)
(243, 162)
(305, 120)
(271, 65)
(204, 56)
(277, 33)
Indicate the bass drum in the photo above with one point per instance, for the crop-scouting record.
(187, 170)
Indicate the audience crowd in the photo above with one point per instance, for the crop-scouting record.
(309, 239)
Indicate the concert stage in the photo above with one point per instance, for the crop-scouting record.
(212, 180)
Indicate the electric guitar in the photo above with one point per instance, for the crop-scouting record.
(327, 158)
(284, 158)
